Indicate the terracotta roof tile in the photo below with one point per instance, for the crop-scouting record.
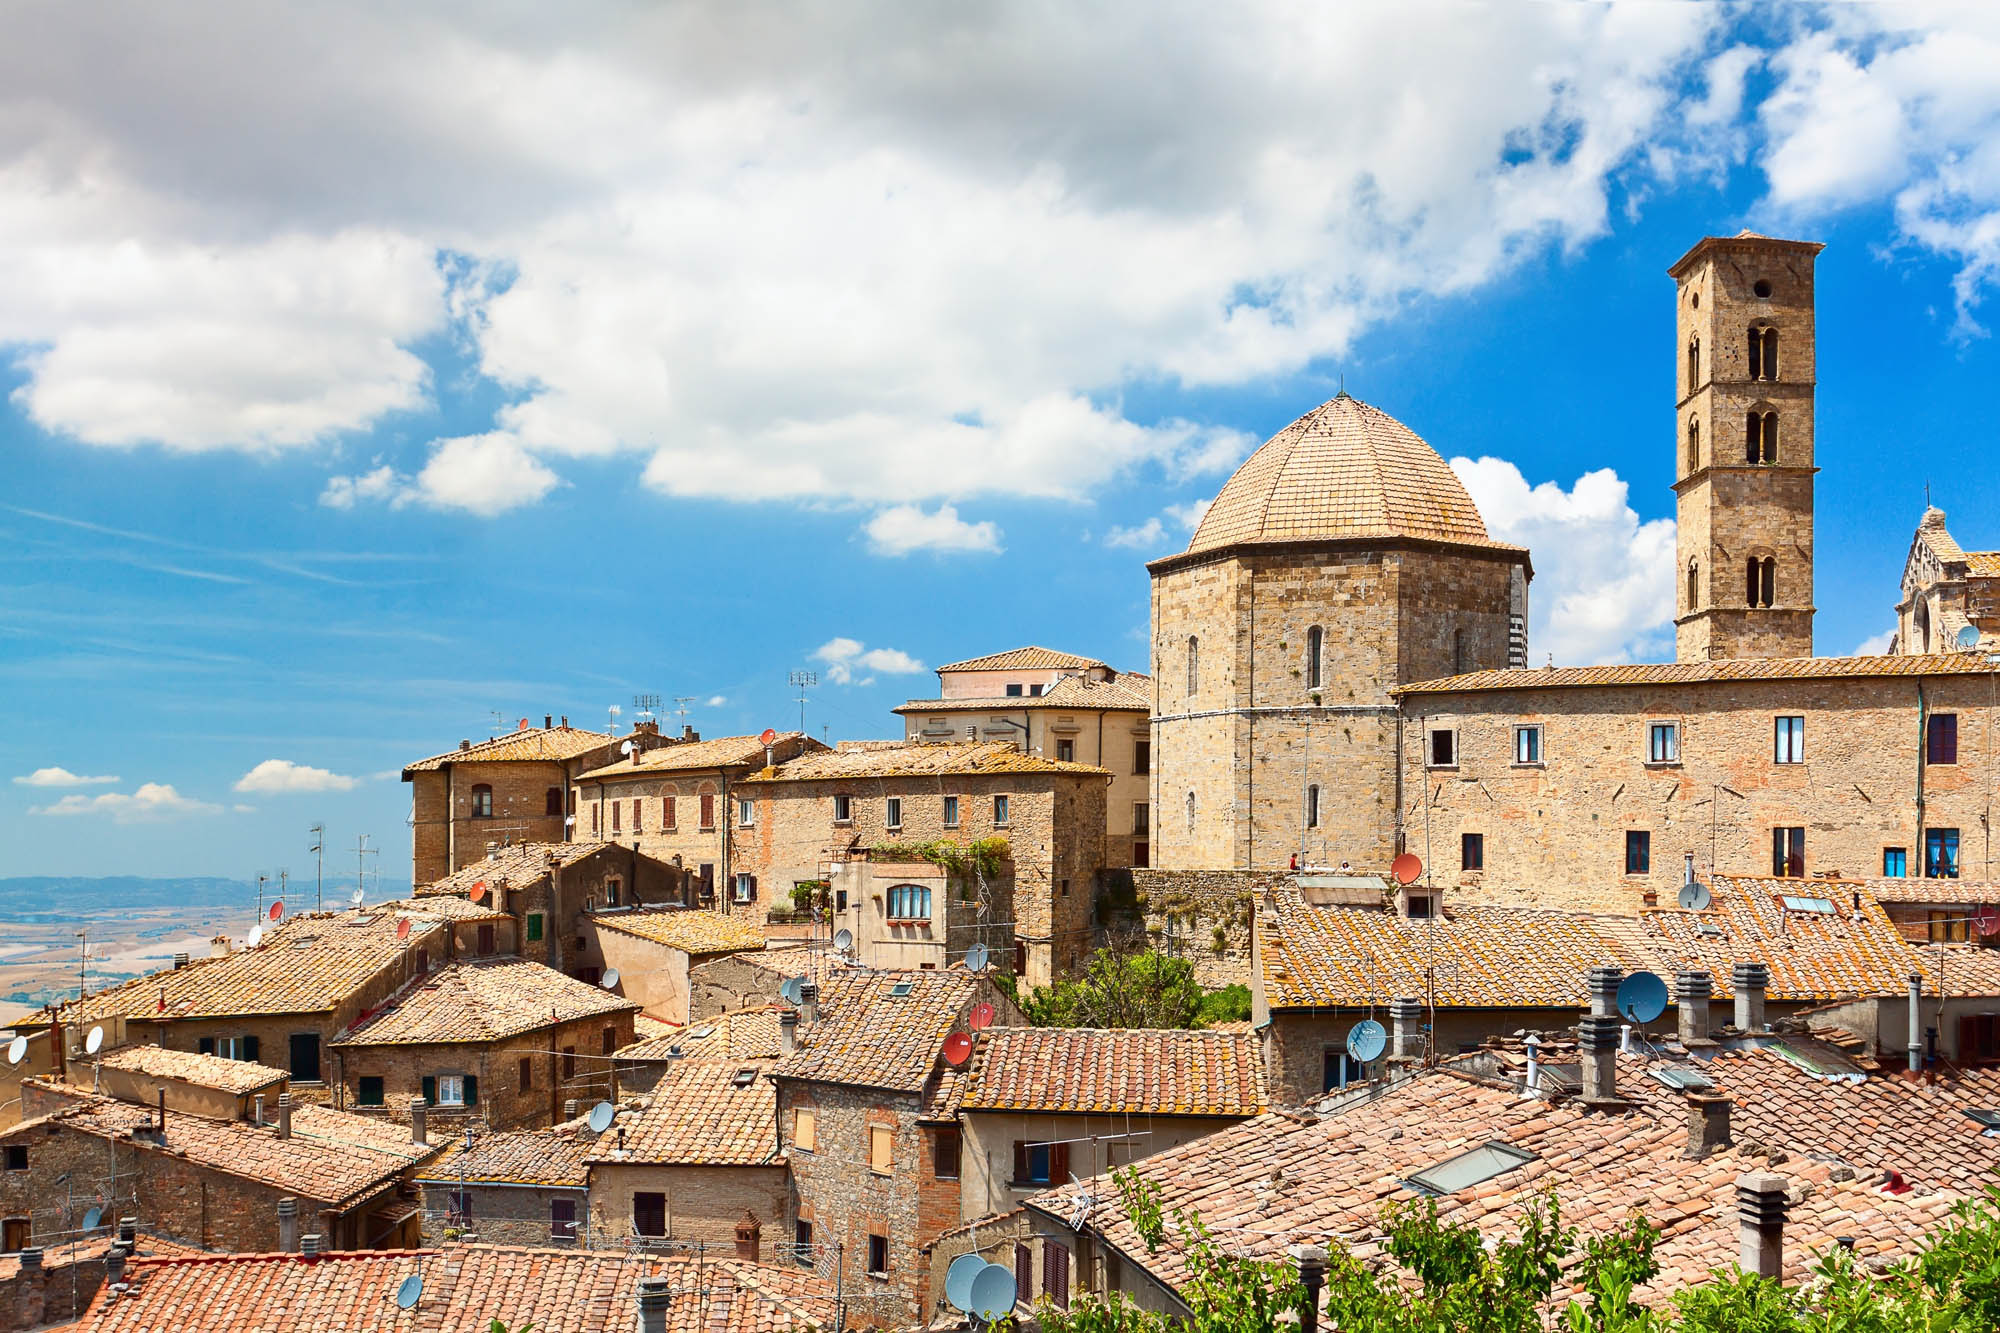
(870, 1036)
(1939, 891)
(699, 1114)
(517, 866)
(1157, 1072)
(917, 760)
(693, 756)
(1811, 955)
(555, 1156)
(731, 1038)
(239, 1077)
(689, 929)
(1691, 673)
(481, 1000)
(531, 743)
(1129, 692)
(1030, 658)
(446, 908)
(1983, 564)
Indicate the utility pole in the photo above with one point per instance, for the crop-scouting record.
(82, 959)
(318, 849)
(803, 681)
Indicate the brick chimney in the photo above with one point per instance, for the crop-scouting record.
(32, 1302)
(419, 1116)
(748, 1236)
(1708, 1124)
(288, 1225)
(1749, 981)
(569, 1109)
(1760, 1217)
(1406, 1040)
(1598, 1037)
(1693, 991)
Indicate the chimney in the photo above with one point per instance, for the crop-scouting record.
(31, 1262)
(257, 1116)
(310, 1245)
(654, 1298)
(32, 1303)
(219, 947)
(565, 720)
(464, 745)
(1760, 1218)
(284, 1115)
(1749, 980)
(1598, 1037)
(808, 1001)
(128, 1232)
(1693, 990)
(288, 1225)
(1406, 1042)
(788, 1031)
(114, 1266)
(1916, 1024)
(1603, 986)
(180, 961)
(548, 721)
(1311, 1260)
(748, 1236)
(419, 1114)
(569, 1109)
(1529, 1084)
(1708, 1124)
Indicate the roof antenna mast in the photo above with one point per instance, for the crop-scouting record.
(803, 681)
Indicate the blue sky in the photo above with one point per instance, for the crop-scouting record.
(643, 355)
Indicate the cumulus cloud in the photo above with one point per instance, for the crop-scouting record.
(1875, 644)
(60, 777)
(902, 529)
(152, 801)
(282, 776)
(717, 701)
(477, 474)
(1190, 515)
(1146, 537)
(846, 660)
(1604, 581)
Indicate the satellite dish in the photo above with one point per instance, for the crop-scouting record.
(957, 1049)
(569, 821)
(627, 748)
(1642, 997)
(92, 1218)
(277, 909)
(1967, 637)
(359, 894)
(1366, 1040)
(17, 1050)
(478, 893)
(412, 1291)
(1988, 918)
(766, 736)
(992, 1292)
(600, 1117)
(403, 928)
(958, 1280)
(982, 1017)
(1694, 897)
(1407, 869)
(94, 1043)
(256, 937)
(843, 939)
(610, 979)
(790, 989)
(976, 958)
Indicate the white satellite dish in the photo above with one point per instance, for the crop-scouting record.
(610, 979)
(992, 1292)
(1968, 637)
(1694, 896)
(976, 958)
(600, 1117)
(412, 1291)
(958, 1280)
(17, 1050)
(94, 1043)
(627, 748)
(359, 894)
(843, 939)
(569, 821)
(789, 988)
(256, 937)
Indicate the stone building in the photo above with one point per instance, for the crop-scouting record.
(515, 1187)
(1059, 706)
(1946, 592)
(739, 1038)
(796, 821)
(902, 910)
(1342, 559)
(547, 891)
(653, 949)
(740, 981)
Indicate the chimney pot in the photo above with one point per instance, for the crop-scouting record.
(1598, 1037)
(419, 1116)
(788, 1031)
(1603, 986)
(258, 1114)
(749, 1234)
(1708, 1124)
(180, 961)
(288, 1225)
(569, 1109)
(128, 1232)
(31, 1259)
(1693, 991)
(1405, 1018)
(310, 1245)
(808, 1001)
(548, 721)
(114, 1266)
(1916, 1038)
(1749, 981)
(1760, 1215)
(1311, 1260)
(284, 1115)
(655, 1297)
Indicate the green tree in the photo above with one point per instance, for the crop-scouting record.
(1120, 990)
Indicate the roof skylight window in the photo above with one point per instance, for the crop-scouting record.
(902, 989)
(1467, 1169)
(1680, 1078)
(1823, 906)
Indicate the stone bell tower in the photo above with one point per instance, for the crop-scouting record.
(1743, 444)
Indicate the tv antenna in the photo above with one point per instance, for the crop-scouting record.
(681, 702)
(362, 851)
(802, 681)
(318, 849)
(611, 726)
(646, 707)
(498, 720)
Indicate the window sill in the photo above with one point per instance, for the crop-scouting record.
(909, 920)
(1529, 763)
(877, 1171)
(1441, 768)
(1662, 763)
(843, 823)
(879, 1277)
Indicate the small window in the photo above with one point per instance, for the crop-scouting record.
(596, 815)
(667, 804)
(569, 1063)
(892, 812)
(526, 1080)
(1472, 851)
(1312, 805)
(1013, 691)
(562, 1219)
(945, 1151)
(708, 810)
(649, 1214)
(1762, 287)
(1638, 852)
(1024, 1275)
(1142, 819)
(746, 812)
(881, 1149)
(909, 902)
(1142, 757)
(617, 815)
(1663, 743)
(878, 1255)
(1941, 739)
(487, 943)
(1694, 363)
(638, 816)
(746, 888)
(455, 1089)
(1040, 1163)
(802, 1242)
(805, 1129)
(1950, 928)
(1817, 906)
(901, 990)
(1760, 437)
(1694, 445)
(610, 1040)
(1788, 852)
(1035, 691)
(614, 890)
(1941, 853)
(1527, 745)
(1193, 665)
(552, 802)
(1895, 862)
(1694, 584)
(843, 809)
(1444, 748)
(482, 802)
(1000, 810)
(1462, 1172)
(17, 1157)
(1788, 744)
(369, 1091)
(951, 812)
(1760, 587)
(534, 927)
(1066, 752)
(1315, 641)
(1338, 1069)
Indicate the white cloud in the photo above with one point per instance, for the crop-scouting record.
(1190, 515)
(846, 658)
(382, 484)
(242, 809)
(717, 701)
(478, 474)
(60, 777)
(282, 775)
(1146, 537)
(152, 801)
(902, 529)
(1604, 581)
(1875, 644)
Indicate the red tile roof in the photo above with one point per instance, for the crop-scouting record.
(1030, 658)
(554, 1156)
(869, 1036)
(206, 1071)
(1137, 1070)
(518, 866)
(1697, 673)
(703, 1114)
(695, 756)
(482, 1000)
(525, 745)
(1811, 955)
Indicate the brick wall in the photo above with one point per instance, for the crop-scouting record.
(1140, 904)
(722, 985)
(509, 1215)
(704, 1204)
(503, 1104)
(446, 835)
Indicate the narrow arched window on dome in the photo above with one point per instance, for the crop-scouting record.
(1190, 811)
(1193, 665)
(1315, 640)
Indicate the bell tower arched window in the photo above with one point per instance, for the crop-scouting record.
(1760, 584)
(1763, 353)
(1694, 584)
(1760, 437)
(1694, 362)
(1315, 641)
(1193, 665)
(1694, 446)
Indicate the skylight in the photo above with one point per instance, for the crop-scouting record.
(901, 989)
(1471, 1168)
(1680, 1078)
(744, 1078)
(1988, 1118)
(704, 1030)
(1823, 906)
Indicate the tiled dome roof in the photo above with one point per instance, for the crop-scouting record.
(1344, 469)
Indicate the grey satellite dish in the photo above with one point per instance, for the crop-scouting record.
(789, 988)
(1968, 638)
(1694, 897)
(958, 1280)
(600, 1117)
(92, 1218)
(256, 937)
(1366, 1040)
(1642, 997)
(410, 1292)
(976, 958)
(843, 940)
(359, 894)
(94, 1043)
(17, 1050)
(610, 979)
(992, 1292)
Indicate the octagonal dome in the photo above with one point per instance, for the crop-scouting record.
(1343, 470)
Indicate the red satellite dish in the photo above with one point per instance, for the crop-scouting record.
(767, 736)
(403, 928)
(1989, 920)
(478, 893)
(957, 1049)
(523, 725)
(982, 1017)
(1406, 868)
(277, 909)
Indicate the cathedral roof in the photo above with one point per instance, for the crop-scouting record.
(1343, 470)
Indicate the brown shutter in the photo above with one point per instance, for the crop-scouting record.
(1020, 1160)
(1058, 1163)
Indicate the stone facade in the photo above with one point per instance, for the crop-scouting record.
(739, 981)
(1096, 1145)
(705, 1205)
(1203, 916)
(1946, 590)
(561, 1063)
(504, 1214)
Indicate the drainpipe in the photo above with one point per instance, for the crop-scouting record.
(723, 827)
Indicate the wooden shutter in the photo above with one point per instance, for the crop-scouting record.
(1055, 1272)
(667, 811)
(472, 1090)
(805, 1130)
(430, 1090)
(1058, 1163)
(1020, 1160)
(1024, 1273)
(205, 1046)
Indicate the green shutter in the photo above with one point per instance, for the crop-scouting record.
(472, 1090)
(534, 926)
(250, 1049)
(205, 1046)
(430, 1090)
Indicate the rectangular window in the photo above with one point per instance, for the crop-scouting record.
(305, 1057)
(746, 888)
(569, 1063)
(881, 1149)
(945, 1153)
(1013, 691)
(746, 813)
(638, 816)
(1142, 757)
(1941, 739)
(878, 1246)
(843, 809)
(562, 1219)
(1040, 1163)
(1941, 853)
(1337, 1069)
(1444, 748)
(1895, 862)
(1788, 852)
(1788, 741)
(369, 1093)
(667, 819)
(1527, 745)
(802, 1242)
(1055, 1272)
(1000, 811)
(892, 812)
(1142, 854)
(1471, 850)
(708, 810)
(649, 1214)
(1312, 806)
(1638, 852)
(610, 1040)
(525, 1082)
(17, 1157)
(1066, 752)
(534, 927)
(1950, 928)
(617, 815)
(951, 812)
(805, 1130)
(1035, 691)
(1024, 1275)
(1142, 819)
(487, 943)
(1663, 743)
(909, 902)
(595, 816)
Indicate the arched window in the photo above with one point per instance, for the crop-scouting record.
(482, 802)
(1694, 584)
(552, 801)
(1459, 664)
(1760, 585)
(1761, 436)
(1193, 665)
(1694, 362)
(1312, 806)
(1763, 353)
(1315, 639)
(1190, 810)
(1694, 445)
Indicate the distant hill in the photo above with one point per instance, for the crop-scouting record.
(47, 897)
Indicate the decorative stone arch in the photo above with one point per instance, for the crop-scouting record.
(1760, 577)
(1760, 433)
(1763, 350)
(1315, 656)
